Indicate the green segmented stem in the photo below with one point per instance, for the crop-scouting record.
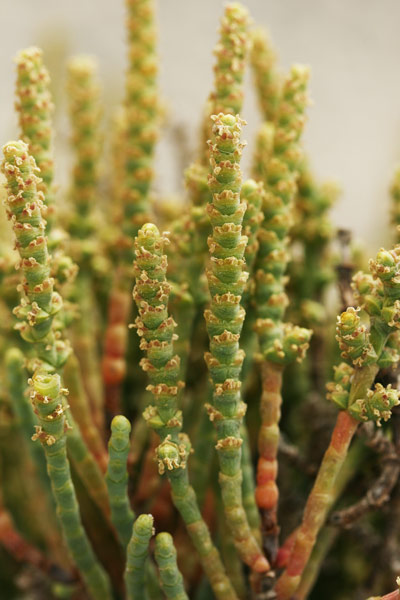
(190, 233)
(85, 217)
(224, 319)
(85, 113)
(248, 486)
(280, 343)
(264, 146)
(27, 496)
(156, 328)
(47, 398)
(252, 193)
(364, 344)
(24, 206)
(314, 230)
(16, 378)
(40, 303)
(267, 78)
(136, 557)
(231, 53)
(85, 337)
(35, 109)
(141, 114)
(82, 412)
(270, 299)
(140, 133)
(122, 515)
(171, 578)
(188, 251)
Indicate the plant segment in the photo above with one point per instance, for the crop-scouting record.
(84, 218)
(156, 330)
(231, 53)
(47, 397)
(171, 579)
(280, 343)
(85, 114)
(35, 108)
(37, 310)
(136, 557)
(141, 121)
(117, 478)
(267, 78)
(227, 97)
(224, 319)
(366, 342)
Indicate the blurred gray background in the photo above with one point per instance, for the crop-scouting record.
(353, 47)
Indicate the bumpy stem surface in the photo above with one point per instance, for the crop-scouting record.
(47, 398)
(171, 578)
(117, 478)
(280, 343)
(224, 319)
(136, 558)
(156, 329)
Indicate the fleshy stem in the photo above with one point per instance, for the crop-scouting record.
(35, 109)
(122, 515)
(253, 194)
(328, 534)
(40, 303)
(136, 557)
(267, 78)
(224, 319)
(366, 344)
(171, 578)
(231, 53)
(280, 343)
(37, 310)
(42, 505)
(84, 219)
(16, 379)
(141, 119)
(156, 328)
(85, 114)
(47, 396)
(82, 412)
(141, 113)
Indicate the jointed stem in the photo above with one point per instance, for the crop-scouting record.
(268, 440)
(318, 504)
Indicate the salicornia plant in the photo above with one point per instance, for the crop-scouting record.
(144, 371)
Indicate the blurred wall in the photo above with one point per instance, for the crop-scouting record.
(353, 47)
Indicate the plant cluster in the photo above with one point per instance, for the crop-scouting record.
(144, 373)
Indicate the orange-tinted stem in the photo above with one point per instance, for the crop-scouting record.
(267, 469)
(115, 346)
(284, 552)
(318, 504)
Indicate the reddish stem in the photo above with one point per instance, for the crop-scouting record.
(284, 552)
(318, 504)
(267, 493)
(115, 345)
